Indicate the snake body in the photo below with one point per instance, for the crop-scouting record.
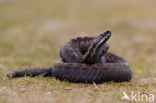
(84, 59)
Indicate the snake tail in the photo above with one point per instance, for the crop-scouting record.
(30, 72)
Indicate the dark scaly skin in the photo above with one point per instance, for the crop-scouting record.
(85, 50)
(30, 72)
(89, 73)
(80, 64)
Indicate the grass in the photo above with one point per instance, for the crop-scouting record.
(33, 31)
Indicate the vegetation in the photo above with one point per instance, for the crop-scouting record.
(33, 31)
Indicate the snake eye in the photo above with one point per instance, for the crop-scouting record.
(108, 32)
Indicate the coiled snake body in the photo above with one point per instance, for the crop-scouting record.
(84, 60)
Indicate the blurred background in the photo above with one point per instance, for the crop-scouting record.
(33, 31)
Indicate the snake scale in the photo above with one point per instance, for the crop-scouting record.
(84, 60)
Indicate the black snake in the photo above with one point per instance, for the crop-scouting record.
(84, 59)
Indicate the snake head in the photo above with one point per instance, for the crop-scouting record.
(101, 44)
(98, 48)
(101, 39)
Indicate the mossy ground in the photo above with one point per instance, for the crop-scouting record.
(33, 31)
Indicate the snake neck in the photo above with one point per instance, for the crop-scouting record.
(90, 55)
(103, 50)
(94, 53)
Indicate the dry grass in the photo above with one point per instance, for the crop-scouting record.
(32, 32)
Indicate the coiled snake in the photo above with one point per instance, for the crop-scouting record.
(84, 60)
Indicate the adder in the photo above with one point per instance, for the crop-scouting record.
(84, 60)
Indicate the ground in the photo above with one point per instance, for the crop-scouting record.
(33, 31)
